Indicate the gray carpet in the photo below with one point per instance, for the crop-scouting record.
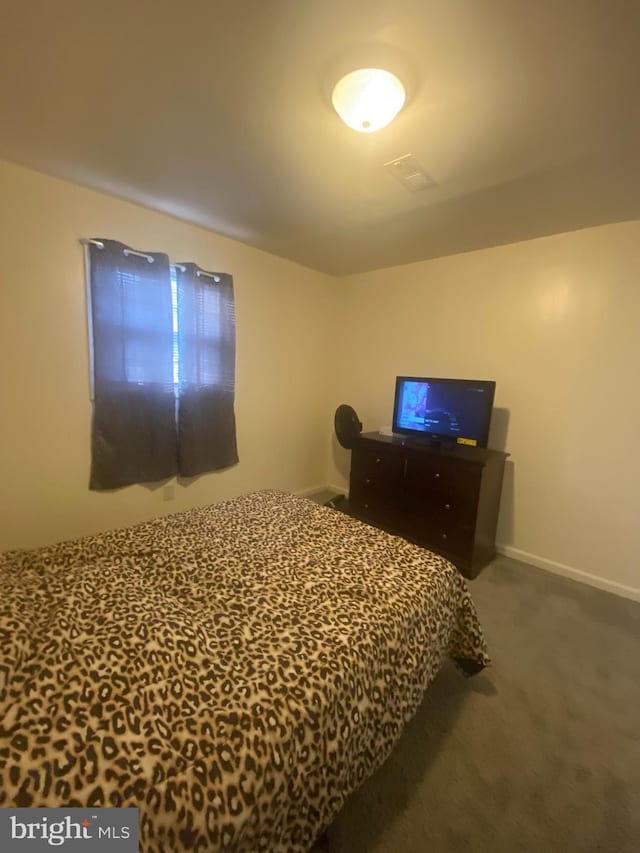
(539, 753)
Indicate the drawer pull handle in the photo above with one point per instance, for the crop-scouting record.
(444, 535)
(447, 506)
(378, 460)
(366, 506)
(367, 480)
(436, 476)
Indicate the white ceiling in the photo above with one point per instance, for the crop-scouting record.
(525, 112)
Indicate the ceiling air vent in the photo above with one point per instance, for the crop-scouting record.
(410, 173)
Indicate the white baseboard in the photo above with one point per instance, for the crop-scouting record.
(532, 559)
(341, 490)
(304, 493)
(569, 572)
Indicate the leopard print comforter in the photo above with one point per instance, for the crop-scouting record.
(234, 671)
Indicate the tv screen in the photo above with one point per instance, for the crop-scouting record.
(457, 410)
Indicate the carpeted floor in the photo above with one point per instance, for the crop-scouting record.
(540, 753)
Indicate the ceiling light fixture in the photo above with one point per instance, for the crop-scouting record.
(368, 99)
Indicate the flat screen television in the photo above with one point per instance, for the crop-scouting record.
(444, 410)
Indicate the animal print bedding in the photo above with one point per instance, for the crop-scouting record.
(234, 671)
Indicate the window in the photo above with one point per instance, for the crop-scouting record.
(163, 367)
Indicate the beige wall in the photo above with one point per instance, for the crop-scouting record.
(282, 401)
(556, 322)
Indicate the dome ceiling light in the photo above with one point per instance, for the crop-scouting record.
(368, 99)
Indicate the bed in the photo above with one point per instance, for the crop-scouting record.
(235, 671)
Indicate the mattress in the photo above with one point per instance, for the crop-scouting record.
(234, 671)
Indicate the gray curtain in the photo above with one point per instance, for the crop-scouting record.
(206, 359)
(134, 436)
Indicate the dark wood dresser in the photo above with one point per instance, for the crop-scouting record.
(444, 497)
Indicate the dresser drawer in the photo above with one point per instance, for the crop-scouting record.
(377, 509)
(445, 510)
(445, 498)
(373, 468)
(443, 478)
(454, 540)
(445, 531)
